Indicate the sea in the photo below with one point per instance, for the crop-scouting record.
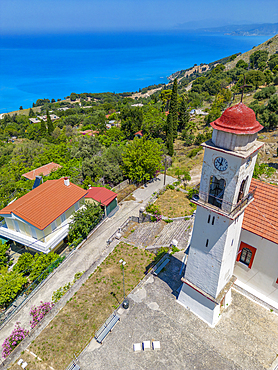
(53, 66)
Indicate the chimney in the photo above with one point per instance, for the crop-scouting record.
(66, 181)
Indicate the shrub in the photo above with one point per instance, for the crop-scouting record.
(191, 192)
(160, 253)
(18, 334)
(38, 313)
(194, 152)
(152, 208)
(174, 249)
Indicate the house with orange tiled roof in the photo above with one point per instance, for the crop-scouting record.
(39, 220)
(43, 170)
(257, 257)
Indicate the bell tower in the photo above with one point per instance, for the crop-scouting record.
(228, 165)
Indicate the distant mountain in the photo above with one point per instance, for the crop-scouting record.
(264, 29)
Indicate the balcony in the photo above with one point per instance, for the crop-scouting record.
(56, 237)
(222, 207)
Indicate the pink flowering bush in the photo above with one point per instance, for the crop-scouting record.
(39, 312)
(13, 340)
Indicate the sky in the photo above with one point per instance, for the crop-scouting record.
(73, 16)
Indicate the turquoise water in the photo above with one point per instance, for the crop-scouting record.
(53, 66)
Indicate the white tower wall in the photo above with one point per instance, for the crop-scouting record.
(211, 267)
(206, 288)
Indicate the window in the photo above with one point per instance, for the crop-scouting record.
(207, 243)
(16, 226)
(208, 219)
(242, 189)
(53, 225)
(216, 191)
(213, 218)
(246, 254)
(33, 232)
(63, 217)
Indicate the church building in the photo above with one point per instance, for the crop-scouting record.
(234, 239)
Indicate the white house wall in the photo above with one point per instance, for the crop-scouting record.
(261, 278)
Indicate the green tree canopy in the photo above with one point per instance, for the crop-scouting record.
(141, 159)
(169, 135)
(173, 110)
(242, 64)
(84, 220)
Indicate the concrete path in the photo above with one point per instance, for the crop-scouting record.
(83, 258)
(246, 338)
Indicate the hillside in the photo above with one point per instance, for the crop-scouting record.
(270, 45)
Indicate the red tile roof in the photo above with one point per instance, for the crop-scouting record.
(140, 133)
(89, 132)
(260, 217)
(41, 206)
(102, 195)
(43, 170)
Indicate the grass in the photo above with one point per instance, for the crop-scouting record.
(75, 325)
(174, 204)
(181, 160)
(125, 192)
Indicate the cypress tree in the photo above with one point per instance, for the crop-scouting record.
(174, 108)
(50, 127)
(31, 113)
(169, 135)
(183, 115)
(43, 129)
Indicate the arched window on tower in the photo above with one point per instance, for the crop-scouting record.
(216, 191)
(242, 189)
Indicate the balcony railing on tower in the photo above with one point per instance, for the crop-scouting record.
(217, 203)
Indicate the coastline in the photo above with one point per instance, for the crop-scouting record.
(36, 68)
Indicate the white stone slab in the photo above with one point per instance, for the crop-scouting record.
(175, 242)
(146, 345)
(20, 362)
(137, 347)
(156, 345)
(24, 365)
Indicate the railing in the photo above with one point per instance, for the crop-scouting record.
(227, 208)
(244, 201)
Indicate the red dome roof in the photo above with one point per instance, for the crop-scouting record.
(238, 119)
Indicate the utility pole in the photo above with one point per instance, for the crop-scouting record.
(125, 301)
(165, 167)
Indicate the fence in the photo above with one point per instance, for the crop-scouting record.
(38, 283)
(121, 186)
(119, 230)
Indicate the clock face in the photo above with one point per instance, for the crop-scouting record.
(221, 164)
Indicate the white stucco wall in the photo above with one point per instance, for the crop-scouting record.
(211, 267)
(237, 171)
(201, 306)
(260, 280)
(231, 141)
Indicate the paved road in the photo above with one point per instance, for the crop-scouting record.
(83, 258)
